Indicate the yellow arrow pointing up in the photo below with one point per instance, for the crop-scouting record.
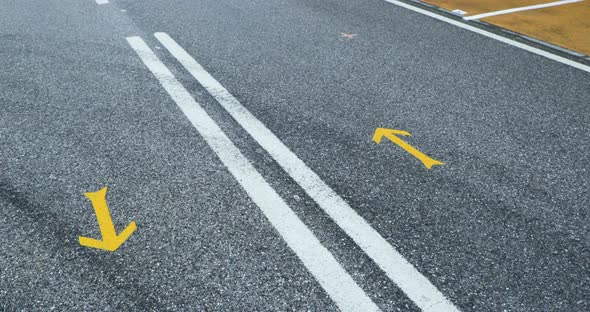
(110, 240)
(390, 134)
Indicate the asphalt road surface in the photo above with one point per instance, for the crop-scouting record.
(238, 136)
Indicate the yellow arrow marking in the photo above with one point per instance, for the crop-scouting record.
(390, 134)
(110, 240)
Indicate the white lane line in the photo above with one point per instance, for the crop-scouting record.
(401, 272)
(339, 285)
(102, 1)
(525, 8)
(488, 34)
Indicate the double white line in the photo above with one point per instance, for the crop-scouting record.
(340, 286)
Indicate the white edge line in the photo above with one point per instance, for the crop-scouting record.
(416, 286)
(339, 285)
(525, 8)
(488, 34)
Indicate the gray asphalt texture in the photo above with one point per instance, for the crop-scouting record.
(503, 226)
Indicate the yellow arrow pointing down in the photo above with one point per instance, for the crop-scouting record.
(390, 134)
(110, 240)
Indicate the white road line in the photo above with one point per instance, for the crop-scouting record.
(525, 8)
(102, 1)
(401, 272)
(339, 285)
(492, 35)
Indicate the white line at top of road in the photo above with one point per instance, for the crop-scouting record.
(511, 42)
(339, 285)
(102, 1)
(416, 286)
(525, 8)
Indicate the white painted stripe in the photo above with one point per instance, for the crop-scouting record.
(401, 272)
(347, 295)
(511, 42)
(525, 8)
(102, 1)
